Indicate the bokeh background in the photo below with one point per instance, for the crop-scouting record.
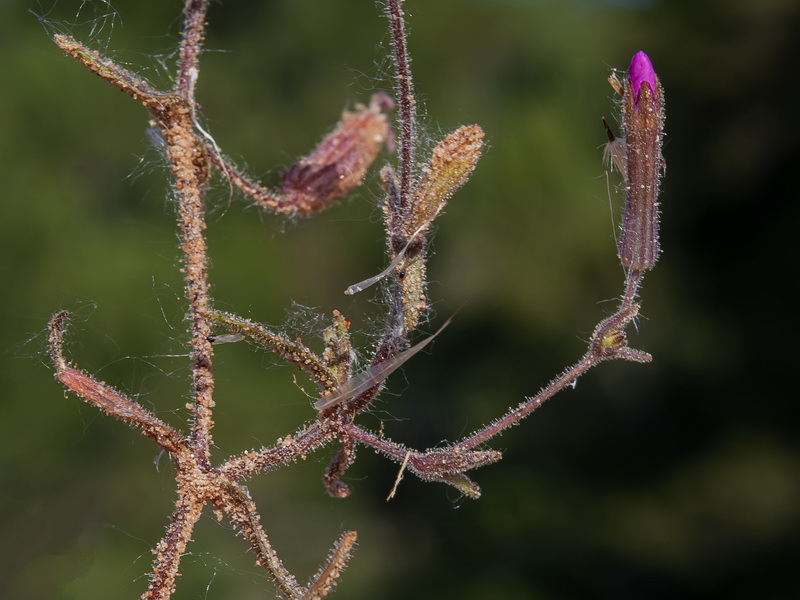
(679, 479)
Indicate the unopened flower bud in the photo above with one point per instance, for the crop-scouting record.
(452, 162)
(641, 72)
(338, 164)
(643, 121)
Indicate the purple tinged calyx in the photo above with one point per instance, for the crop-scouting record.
(641, 72)
(642, 119)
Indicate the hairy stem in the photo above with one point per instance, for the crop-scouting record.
(632, 284)
(107, 399)
(304, 442)
(172, 546)
(405, 93)
(190, 172)
(294, 352)
(188, 168)
(125, 80)
(515, 415)
(243, 514)
(194, 28)
(325, 580)
(608, 342)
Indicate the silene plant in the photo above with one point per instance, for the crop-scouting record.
(415, 189)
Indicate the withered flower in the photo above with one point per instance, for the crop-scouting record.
(340, 161)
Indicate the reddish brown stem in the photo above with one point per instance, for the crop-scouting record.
(190, 172)
(288, 450)
(107, 399)
(326, 578)
(242, 512)
(632, 283)
(172, 546)
(405, 93)
(191, 45)
(608, 342)
(531, 404)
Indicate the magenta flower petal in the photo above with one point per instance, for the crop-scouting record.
(641, 71)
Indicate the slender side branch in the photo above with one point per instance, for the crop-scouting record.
(242, 512)
(515, 415)
(105, 398)
(294, 352)
(324, 581)
(608, 342)
(288, 450)
(120, 77)
(264, 197)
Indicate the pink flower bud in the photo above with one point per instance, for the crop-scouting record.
(641, 72)
(643, 122)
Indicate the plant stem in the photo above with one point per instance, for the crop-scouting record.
(190, 171)
(405, 93)
(191, 45)
(515, 415)
(172, 547)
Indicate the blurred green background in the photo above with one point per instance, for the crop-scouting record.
(679, 479)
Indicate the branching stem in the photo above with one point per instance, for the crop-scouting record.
(336, 166)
